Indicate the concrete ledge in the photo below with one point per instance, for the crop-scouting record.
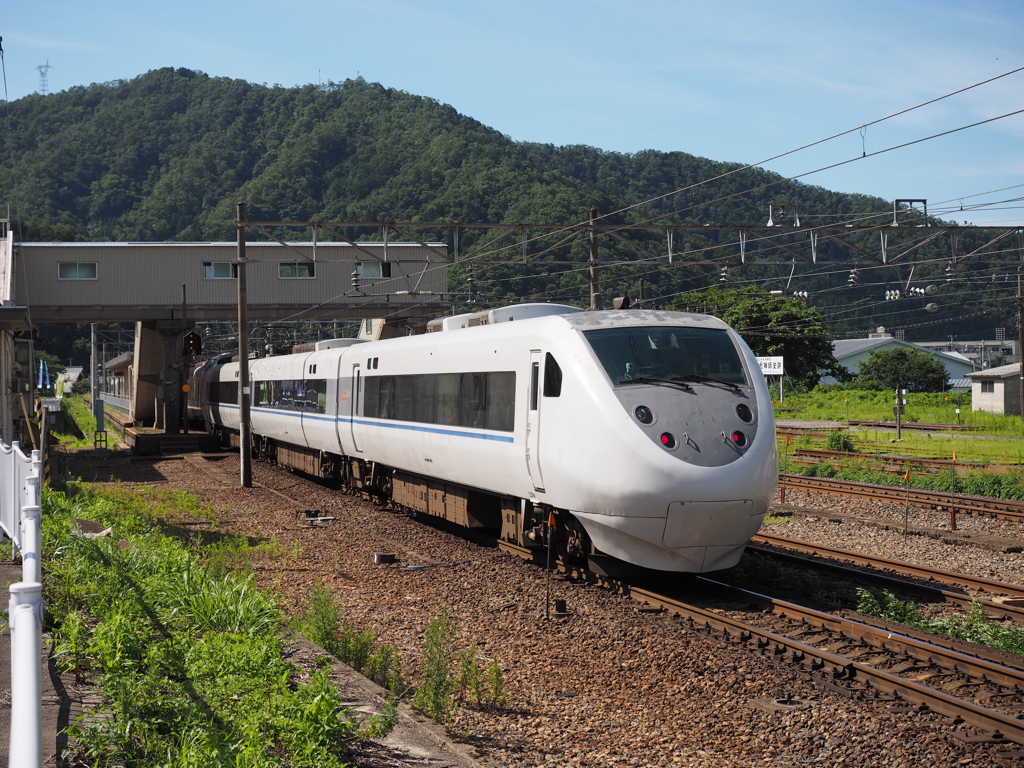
(147, 442)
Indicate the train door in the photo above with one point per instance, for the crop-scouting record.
(533, 421)
(353, 404)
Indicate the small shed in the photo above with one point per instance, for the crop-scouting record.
(997, 390)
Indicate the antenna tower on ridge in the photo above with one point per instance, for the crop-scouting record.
(43, 69)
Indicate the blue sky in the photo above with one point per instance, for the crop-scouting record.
(732, 80)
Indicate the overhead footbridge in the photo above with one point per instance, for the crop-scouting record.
(165, 288)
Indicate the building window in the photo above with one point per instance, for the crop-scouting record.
(374, 269)
(76, 270)
(988, 387)
(296, 270)
(219, 270)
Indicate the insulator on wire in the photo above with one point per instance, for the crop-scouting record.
(355, 279)
(892, 295)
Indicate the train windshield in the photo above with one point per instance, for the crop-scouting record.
(633, 355)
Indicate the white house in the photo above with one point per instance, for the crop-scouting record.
(997, 390)
(850, 353)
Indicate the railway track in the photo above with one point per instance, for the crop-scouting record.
(867, 662)
(840, 657)
(853, 658)
(892, 462)
(1003, 601)
(1000, 509)
(921, 426)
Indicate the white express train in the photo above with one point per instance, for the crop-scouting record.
(646, 436)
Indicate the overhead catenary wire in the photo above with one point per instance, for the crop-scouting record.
(581, 226)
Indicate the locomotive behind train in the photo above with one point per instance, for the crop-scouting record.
(644, 436)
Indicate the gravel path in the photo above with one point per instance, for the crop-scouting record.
(606, 685)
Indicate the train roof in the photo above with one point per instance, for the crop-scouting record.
(617, 318)
(574, 316)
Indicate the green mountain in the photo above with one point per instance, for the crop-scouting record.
(165, 156)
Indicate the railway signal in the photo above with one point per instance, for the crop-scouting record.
(192, 343)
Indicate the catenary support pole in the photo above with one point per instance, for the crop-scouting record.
(595, 289)
(244, 427)
(1020, 340)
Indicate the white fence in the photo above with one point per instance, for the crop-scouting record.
(20, 506)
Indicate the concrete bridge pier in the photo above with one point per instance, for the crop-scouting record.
(160, 371)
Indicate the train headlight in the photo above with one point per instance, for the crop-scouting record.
(738, 439)
(743, 411)
(644, 414)
(668, 440)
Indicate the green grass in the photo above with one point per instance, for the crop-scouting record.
(974, 626)
(998, 442)
(191, 661)
(173, 630)
(831, 404)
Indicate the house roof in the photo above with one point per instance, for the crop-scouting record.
(843, 348)
(1002, 372)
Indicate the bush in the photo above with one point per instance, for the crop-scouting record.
(839, 441)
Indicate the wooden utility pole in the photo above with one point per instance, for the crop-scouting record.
(595, 290)
(244, 426)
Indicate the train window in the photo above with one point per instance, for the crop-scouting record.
(386, 398)
(371, 395)
(501, 400)
(666, 353)
(424, 396)
(223, 392)
(552, 377)
(405, 398)
(534, 380)
(446, 399)
(286, 395)
(474, 399)
(315, 393)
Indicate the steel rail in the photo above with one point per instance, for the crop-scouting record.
(828, 666)
(885, 639)
(888, 458)
(1001, 509)
(825, 664)
(801, 553)
(974, 583)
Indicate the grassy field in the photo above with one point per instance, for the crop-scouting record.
(826, 403)
(989, 458)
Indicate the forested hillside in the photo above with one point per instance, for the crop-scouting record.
(166, 156)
